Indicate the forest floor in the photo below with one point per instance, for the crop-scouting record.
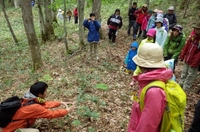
(100, 87)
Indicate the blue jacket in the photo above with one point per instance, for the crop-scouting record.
(131, 53)
(151, 22)
(93, 27)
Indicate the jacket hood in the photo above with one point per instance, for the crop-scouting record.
(162, 74)
(134, 44)
(29, 96)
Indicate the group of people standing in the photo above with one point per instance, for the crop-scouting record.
(68, 15)
(163, 39)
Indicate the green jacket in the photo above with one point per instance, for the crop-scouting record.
(174, 46)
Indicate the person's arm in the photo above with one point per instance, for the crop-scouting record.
(126, 59)
(164, 37)
(185, 49)
(86, 23)
(179, 48)
(129, 12)
(51, 104)
(151, 116)
(121, 23)
(166, 46)
(108, 21)
(97, 25)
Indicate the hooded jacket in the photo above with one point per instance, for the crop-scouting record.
(115, 21)
(161, 36)
(93, 27)
(131, 14)
(191, 51)
(131, 53)
(174, 46)
(154, 103)
(75, 12)
(145, 22)
(140, 14)
(27, 115)
(151, 23)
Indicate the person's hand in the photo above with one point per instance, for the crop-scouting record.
(70, 108)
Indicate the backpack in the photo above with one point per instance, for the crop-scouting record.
(173, 116)
(9, 107)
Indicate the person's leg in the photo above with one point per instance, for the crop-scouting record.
(113, 35)
(135, 30)
(130, 25)
(110, 34)
(95, 48)
(192, 73)
(27, 130)
(184, 74)
(91, 45)
(140, 32)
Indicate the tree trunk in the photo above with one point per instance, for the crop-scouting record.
(54, 13)
(147, 2)
(81, 4)
(183, 4)
(65, 30)
(175, 4)
(48, 20)
(42, 24)
(96, 8)
(8, 22)
(130, 3)
(27, 17)
(17, 3)
(187, 5)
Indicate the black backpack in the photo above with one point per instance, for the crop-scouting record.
(9, 107)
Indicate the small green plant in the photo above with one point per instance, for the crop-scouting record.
(102, 86)
(86, 112)
(76, 123)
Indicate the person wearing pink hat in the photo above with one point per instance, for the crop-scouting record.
(151, 37)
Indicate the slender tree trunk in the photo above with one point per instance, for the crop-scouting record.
(175, 5)
(17, 3)
(48, 20)
(183, 4)
(96, 8)
(81, 4)
(65, 30)
(147, 2)
(42, 24)
(130, 3)
(54, 13)
(8, 22)
(27, 17)
(187, 5)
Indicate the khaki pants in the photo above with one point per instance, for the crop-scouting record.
(188, 75)
(93, 47)
(27, 130)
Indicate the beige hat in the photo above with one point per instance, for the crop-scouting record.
(150, 55)
(197, 25)
(144, 5)
(171, 8)
(155, 10)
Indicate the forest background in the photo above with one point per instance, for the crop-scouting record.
(36, 47)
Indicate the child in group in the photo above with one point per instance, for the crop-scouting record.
(174, 44)
(191, 57)
(93, 35)
(69, 14)
(151, 21)
(129, 63)
(161, 33)
(145, 22)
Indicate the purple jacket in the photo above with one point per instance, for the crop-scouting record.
(149, 119)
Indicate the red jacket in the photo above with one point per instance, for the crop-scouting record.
(31, 112)
(140, 14)
(191, 51)
(75, 12)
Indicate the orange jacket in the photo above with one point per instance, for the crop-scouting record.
(28, 114)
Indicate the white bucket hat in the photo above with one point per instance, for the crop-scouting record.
(159, 19)
(59, 10)
(150, 55)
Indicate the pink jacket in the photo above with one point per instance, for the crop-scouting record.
(145, 22)
(149, 119)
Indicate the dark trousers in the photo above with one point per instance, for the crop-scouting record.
(169, 56)
(112, 34)
(131, 25)
(76, 19)
(144, 34)
(195, 127)
(137, 26)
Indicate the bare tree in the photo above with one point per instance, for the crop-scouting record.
(96, 8)
(187, 5)
(42, 24)
(53, 13)
(27, 17)
(48, 20)
(17, 3)
(8, 22)
(130, 3)
(81, 4)
(65, 30)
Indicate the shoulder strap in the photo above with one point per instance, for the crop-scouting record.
(157, 83)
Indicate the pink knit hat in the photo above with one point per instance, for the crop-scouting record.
(151, 32)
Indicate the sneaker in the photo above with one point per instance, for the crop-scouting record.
(134, 37)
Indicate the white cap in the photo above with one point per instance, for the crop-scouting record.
(59, 10)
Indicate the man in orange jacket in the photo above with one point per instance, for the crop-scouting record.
(25, 117)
